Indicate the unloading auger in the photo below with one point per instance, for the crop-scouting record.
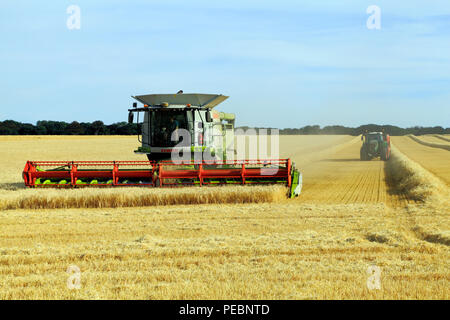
(169, 119)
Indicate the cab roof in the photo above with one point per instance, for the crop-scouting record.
(182, 99)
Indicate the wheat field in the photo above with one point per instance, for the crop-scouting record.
(243, 244)
(435, 138)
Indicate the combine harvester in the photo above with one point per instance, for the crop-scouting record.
(172, 124)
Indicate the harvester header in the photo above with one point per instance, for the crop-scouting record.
(78, 174)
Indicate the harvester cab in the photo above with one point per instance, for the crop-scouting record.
(375, 144)
(172, 124)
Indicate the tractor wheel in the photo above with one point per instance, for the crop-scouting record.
(363, 154)
(384, 154)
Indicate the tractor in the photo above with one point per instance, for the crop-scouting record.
(375, 144)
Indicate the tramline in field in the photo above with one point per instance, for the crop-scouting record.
(172, 124)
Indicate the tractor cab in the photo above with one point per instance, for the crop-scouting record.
(182, 122)
(373, 137)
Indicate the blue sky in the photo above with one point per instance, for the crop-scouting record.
(283, 64)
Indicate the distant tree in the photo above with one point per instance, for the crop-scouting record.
(74, 128)
(125, 128)
(315, 129)
(438, 130)
(112, 129)
(53, 127)
(41, 130)
(27, 129)
(9, 127)
(336, 130)
(97, 127)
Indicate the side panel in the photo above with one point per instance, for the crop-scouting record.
(146, 131)
(198, 136)
(228, 139)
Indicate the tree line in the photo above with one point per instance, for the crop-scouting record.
(10, 127)
(392, 130)
(45, 127)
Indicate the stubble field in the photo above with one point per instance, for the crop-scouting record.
(350, 216)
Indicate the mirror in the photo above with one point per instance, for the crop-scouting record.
(134, 104)
(200, 125)
(208, 116)
(130, 117)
